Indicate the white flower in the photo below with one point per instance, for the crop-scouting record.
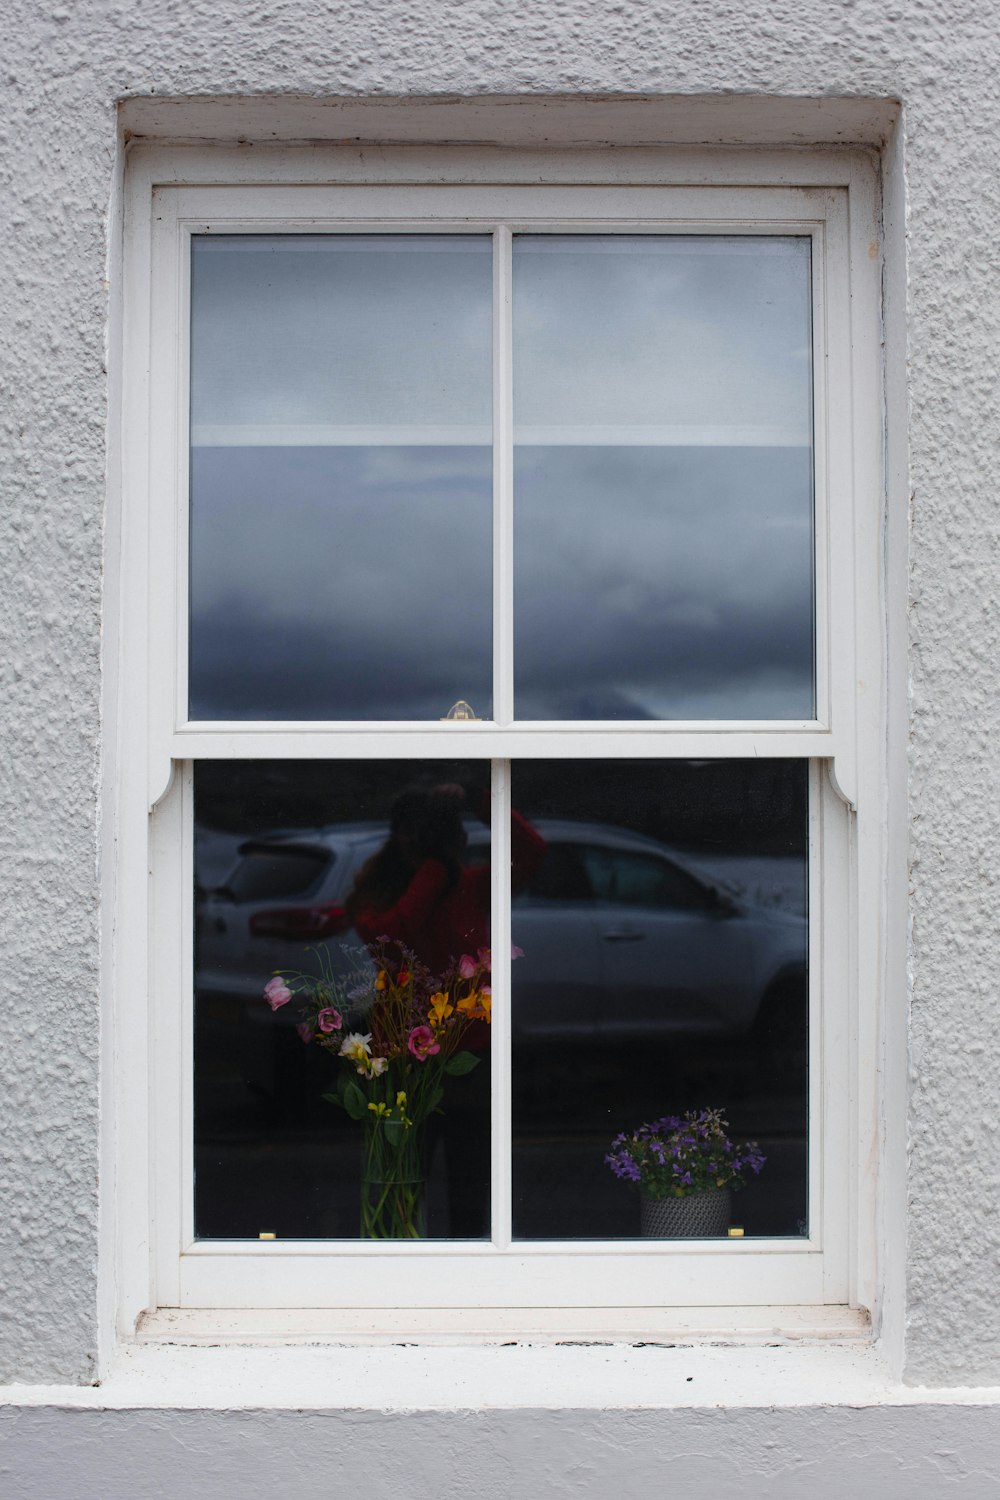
(357, 1047)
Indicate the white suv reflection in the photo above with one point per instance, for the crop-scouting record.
(625, 940)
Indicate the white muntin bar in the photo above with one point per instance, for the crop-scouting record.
(503, 480)
(500, 1113)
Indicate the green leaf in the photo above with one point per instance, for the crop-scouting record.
(334, 1099)
(461, 1063)
(354, 1100)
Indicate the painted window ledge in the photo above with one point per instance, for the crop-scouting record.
(411, 1377)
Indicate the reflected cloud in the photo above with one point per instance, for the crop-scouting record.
(332, 583)
(300, 330)
(676, 582)
(663, 330)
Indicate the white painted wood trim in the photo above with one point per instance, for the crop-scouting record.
(838, 193)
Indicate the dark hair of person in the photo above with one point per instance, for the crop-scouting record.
(431, 825)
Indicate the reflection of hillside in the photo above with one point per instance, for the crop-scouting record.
(777, 881)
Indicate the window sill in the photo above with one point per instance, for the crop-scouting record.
(634, 1327)
(169, 1366)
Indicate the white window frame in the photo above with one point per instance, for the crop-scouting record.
(174, 192)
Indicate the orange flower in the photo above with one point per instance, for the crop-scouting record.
(382, 979)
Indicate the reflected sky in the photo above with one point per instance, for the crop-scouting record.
(663, 582)
(668, 332)
(302, 338)
(663, 477)
(341, 482)
(341, 555)
(340, 583)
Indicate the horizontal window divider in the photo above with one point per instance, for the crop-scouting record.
(489, 741)
(759, 1278)
(484, 1249)
(524, 727)
(465, 210)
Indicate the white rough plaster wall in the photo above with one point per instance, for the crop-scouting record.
(908, 1453)
(63, 68)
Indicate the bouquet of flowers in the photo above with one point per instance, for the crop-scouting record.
(680, 1155)
(396, 1031)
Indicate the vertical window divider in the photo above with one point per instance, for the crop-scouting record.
(503, 713)
(503, 478)
(500, 1058)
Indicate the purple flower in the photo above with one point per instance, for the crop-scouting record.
(329, 1019)
(683, 1154)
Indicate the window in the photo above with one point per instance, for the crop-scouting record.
(557, 498)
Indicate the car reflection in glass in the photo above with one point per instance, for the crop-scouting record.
(625, 940)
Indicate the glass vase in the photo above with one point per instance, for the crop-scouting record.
(393, 1182)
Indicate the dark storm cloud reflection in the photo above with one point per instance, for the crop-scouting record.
(340, 582)
(666, 582)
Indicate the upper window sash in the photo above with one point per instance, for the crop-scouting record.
(501, 212)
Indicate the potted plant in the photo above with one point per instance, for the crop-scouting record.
(685, 1167)
(396, 1032)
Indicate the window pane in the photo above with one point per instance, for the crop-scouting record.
(341, 476)
(302, 867)
(664, 971)
(663, 477)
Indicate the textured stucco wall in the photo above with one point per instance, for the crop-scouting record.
(898, 1453)
(64, 66)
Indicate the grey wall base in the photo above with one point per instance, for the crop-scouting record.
(924, 1452)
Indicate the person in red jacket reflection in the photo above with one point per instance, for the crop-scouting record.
(417, 891)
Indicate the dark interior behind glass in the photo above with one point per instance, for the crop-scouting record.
(664, 970)
(278, 847)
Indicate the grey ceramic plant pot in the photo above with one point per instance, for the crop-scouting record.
(698, 1216)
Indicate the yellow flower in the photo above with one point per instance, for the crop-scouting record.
(477, 1005)
(441, 1009)
(380, 1109)
(382, 980)
(400, 1099)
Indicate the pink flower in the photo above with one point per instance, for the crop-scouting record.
(483, 954)
(515, 951)
(421, 1043)
(467, 966)
(305, 1031)
(329, 1019)
(277, 993)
